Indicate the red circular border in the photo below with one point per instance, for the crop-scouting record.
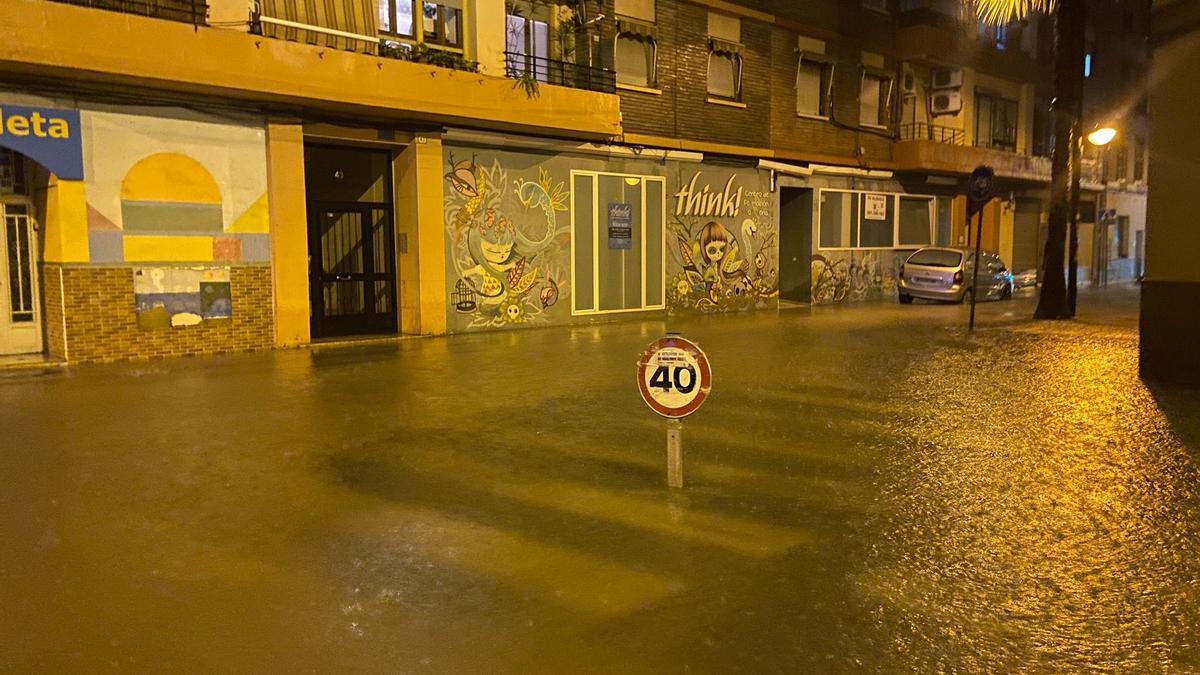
(705, 376)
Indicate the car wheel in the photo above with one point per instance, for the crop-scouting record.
(905, 299)
(1007, 293)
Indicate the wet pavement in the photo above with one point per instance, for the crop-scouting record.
(869, 489)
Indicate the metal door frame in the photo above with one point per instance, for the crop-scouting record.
(369, 322)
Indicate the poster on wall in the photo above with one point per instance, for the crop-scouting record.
(173, 297)
(620, 226)
(875, 206)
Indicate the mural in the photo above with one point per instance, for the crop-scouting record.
(176, 297)
(175, 187)
(852, 276)
(507, 242)
(724, 245)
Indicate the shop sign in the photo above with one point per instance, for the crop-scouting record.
(875, 206)
(49, 136)
(620, 226)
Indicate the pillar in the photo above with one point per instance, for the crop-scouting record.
(289, 231)
(1170, 329)
(421, 235)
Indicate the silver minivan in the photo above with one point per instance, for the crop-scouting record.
(944, 274)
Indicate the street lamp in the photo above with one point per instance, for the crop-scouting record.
(1102, 136)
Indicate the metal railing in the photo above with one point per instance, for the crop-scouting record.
(194, 12)
(563, 73)
(924, 131)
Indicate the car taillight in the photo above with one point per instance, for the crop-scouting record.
(958, 277)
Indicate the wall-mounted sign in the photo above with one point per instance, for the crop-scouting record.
(704, 203)
(48, 136)
(875, 206)
(620, 226)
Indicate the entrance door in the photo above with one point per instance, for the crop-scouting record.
(352, 271)
(20, 303)
(795, 244)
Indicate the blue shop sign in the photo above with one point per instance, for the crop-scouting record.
(49, 136)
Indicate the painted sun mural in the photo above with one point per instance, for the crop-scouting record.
(507, 243)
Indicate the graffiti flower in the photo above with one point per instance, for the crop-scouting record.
(680, 288)
(512, 310)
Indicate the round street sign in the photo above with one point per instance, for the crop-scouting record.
(981, 186)
(674, 377)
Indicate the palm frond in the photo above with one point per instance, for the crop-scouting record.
(1006, 11)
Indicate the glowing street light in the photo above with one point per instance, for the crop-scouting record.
(1102, 136)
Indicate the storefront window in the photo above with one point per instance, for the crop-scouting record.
(851, 219)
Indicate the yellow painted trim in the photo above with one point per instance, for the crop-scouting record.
(288, 223)
(128, 50)
(64, 226)
(154, 248)
(256, 219)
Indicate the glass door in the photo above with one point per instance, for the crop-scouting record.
(353, 277)
(20, 311)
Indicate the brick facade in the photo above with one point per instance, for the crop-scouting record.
(101, 323)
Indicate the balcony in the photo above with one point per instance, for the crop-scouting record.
(519, 66)
(923, 131)
(194, 12)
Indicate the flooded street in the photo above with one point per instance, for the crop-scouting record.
(868, 489)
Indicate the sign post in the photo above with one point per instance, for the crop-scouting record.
(980, 190)
(674, 378)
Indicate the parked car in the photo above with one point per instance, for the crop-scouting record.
(1026, 279)
(944, 274)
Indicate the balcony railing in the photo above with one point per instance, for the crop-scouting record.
(924, 131)
(563, 73)
(194, 12)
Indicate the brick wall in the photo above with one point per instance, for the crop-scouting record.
(101, 324)
(681, 111)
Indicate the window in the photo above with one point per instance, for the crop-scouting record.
(1121, 163)
(527, 41)
(863, 219)
(1139, 160)
(814, 86)
(1122, 235)
(875, 99)
(636, 59)
(995, 122)
(641, 10)
(993, 34)
(625, 274)
(724, 57)
(440, 23)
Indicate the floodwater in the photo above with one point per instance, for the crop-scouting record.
(868, 489)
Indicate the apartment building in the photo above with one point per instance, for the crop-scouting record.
(186, 177)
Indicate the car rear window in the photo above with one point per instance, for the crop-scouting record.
(932, 257)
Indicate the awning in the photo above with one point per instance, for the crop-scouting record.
(638, 28)
(339, 24)
(724, 47)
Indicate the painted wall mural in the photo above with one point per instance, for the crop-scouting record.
(723, 244)
(509, 242)
(175, 186)
(166, 297)
(854, 276)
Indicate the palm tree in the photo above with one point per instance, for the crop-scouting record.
(1055, 300)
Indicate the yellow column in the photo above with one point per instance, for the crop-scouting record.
(64, 222)
(419, 204)
(289, 231)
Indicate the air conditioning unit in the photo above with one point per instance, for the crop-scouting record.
(947, 78)
(945, 102)
(908, 82)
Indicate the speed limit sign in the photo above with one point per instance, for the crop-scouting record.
(674, 377)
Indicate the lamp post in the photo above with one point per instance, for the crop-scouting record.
(1099, 136)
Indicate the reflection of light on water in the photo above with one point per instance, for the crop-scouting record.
(1062, 512)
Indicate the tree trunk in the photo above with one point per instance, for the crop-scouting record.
(1068, 87)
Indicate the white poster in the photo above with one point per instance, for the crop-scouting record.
(875, 206)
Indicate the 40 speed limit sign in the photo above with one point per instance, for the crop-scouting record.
(674, 377)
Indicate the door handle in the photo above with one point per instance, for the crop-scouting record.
(342, 277)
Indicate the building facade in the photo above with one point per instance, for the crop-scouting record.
(235, 176)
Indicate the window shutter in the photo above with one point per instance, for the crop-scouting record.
(637, 9)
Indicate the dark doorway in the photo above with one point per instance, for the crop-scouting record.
(351, 241)
(795, 244)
